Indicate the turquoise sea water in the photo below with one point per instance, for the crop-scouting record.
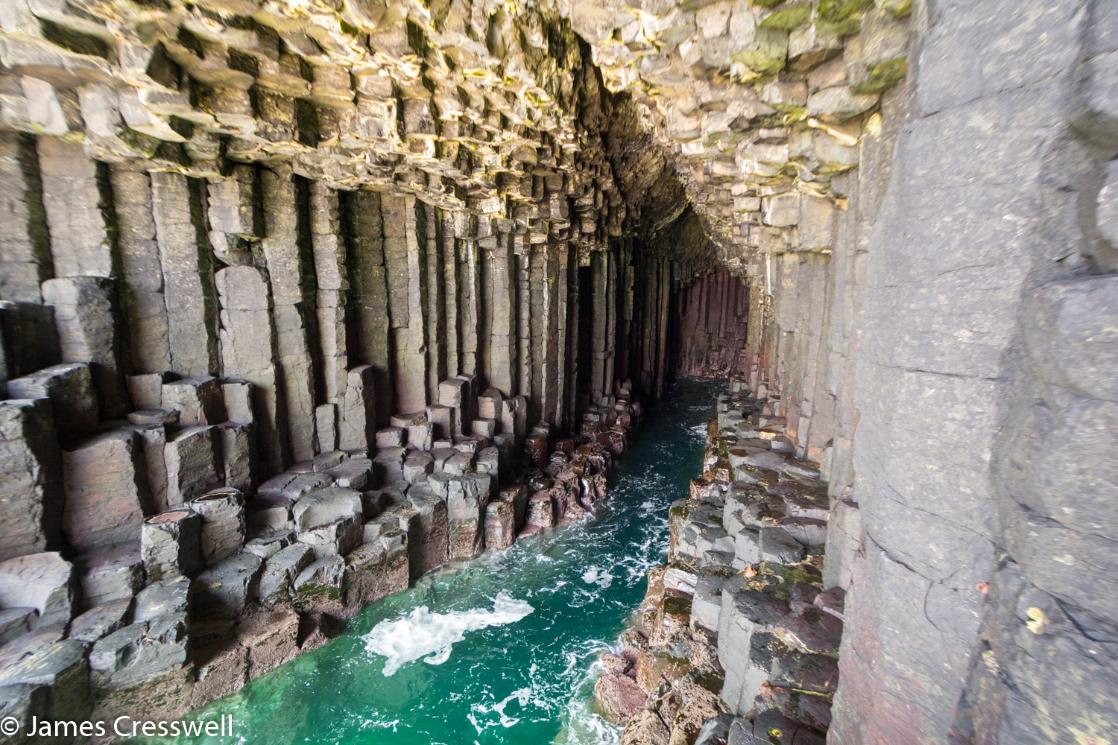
(498, 649)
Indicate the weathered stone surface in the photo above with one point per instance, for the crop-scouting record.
(330, 520)
(238, 455)
(389, 464)
(101, 620)
(172, 596)
(271, 638)
(281, 570)
(248, 351)
(500, 525)
(417, 466)
(431, 539)
(221, 667)
(320, 586)
(619, 696)
(61, 669)
(112, 573)
(357, 425)
(198, 400)
(290, 485)
(376, 569)
(140, 652)
(44, 582)
(31, 489)
(146, 390)
(70, 390)
(223, 523)
(85, 313)
(106, 489)
(237, 396)
(326, 506)
(193, 461)
(171, 544)
(226, 588)
(534, 231)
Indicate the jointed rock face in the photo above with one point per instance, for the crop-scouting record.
(301, 300)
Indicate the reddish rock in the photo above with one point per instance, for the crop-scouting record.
(619, 697)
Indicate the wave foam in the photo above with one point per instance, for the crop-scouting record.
(596, 576)
(429, 636)
(521, 696)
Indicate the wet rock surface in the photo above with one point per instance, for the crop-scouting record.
(736, 638)
(231, 584)
(284, 247)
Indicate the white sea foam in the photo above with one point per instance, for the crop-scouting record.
(521, 696)
(429, 636)
(377, 722)
(597, 576)
(582, 725)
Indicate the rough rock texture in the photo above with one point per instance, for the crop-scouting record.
(272, 233)
(733, 633)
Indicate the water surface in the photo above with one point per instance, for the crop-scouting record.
(498, 649)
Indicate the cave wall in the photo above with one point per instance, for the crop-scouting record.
(290, 299)
(929, 312)
(712, 325)
(944, 363)
(905, 244)
(293, 286)
(979, 377)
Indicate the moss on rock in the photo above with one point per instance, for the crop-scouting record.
(786, 19)
(883, 75)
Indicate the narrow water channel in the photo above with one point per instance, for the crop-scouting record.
(499, 649)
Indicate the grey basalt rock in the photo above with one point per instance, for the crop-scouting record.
(171, 544)
(101, 620)
(112, 573)
(193, 462)
(281, 569)
(140, 652)
(62, 668)
(106, 489)
(320, 586)
(376, 569)
(223, 523)
(84, 312)
(69, 387)
(198, 400)
(170, 597)
(431, 545)
(30, 478)
(15, 622)
(44, 582)
(225, 589)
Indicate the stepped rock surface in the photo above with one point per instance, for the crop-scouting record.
(299, 301)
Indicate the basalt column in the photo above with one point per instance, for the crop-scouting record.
(712, 326)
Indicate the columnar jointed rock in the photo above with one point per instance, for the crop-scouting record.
(43, 583)
(737, 596)
(70, 390)
(498, 212)
(357, 425)
(171, 544)
(223, 523)
(85, 313)
(31, 489)
(193, 460)
(106, 489)
(248, 351)
(198, 400)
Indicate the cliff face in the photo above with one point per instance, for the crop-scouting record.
(243, 237)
